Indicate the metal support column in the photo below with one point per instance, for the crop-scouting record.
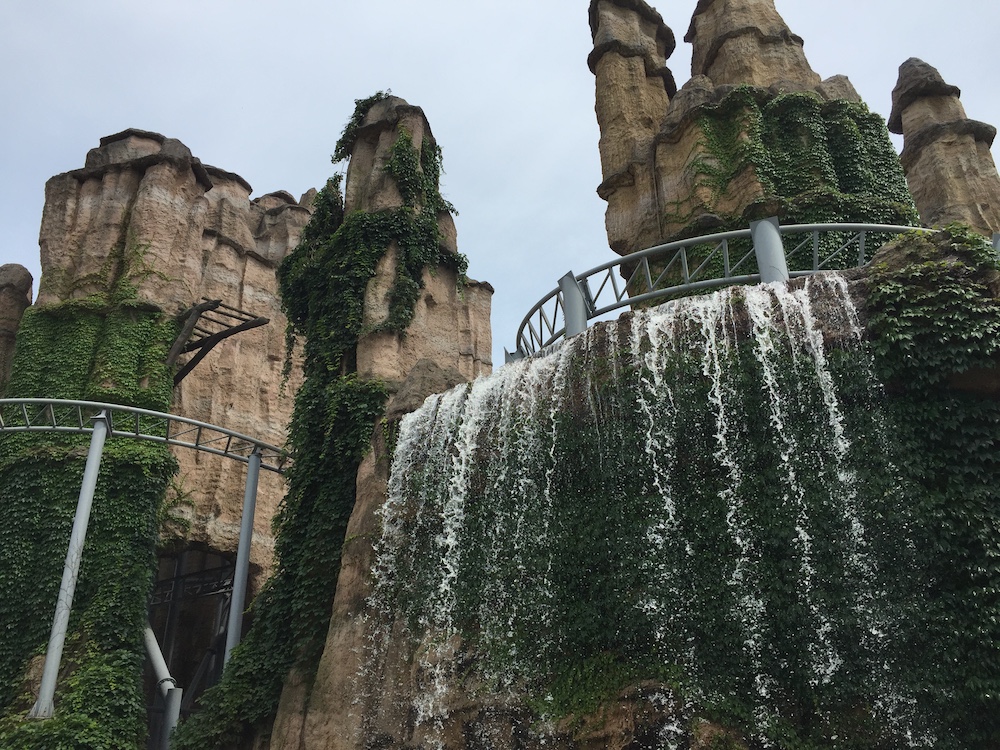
(172, 694)
(44, 706)
(769, 250)
(574, 305)
(242, 572)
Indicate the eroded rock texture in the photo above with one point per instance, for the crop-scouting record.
(15, 297)
(946, 156)
(451, 322)
(145, 211)
(754, 132)
(447, 342)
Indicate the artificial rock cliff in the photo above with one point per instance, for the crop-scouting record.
(189, 232)
(447, 342)
(946, 156)
(15, 297)
(755, 131)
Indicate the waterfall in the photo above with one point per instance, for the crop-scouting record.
(699, 494)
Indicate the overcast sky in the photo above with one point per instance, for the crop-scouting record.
(264, 89)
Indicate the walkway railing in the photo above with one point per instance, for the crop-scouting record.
(55, 415)
(676, 269)
(102, 421)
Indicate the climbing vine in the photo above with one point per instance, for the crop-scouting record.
(816, 162)
(934, 316)
(323, 285)
(108, 347)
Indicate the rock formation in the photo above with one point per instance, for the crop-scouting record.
(946, 156)
(15, 297)
(179, 231)
(631, 46)
(447, 342)
(746, 42)
(450, 324)
(753, 133)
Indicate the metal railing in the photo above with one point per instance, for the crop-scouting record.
(102, 421)
(675, 270)
(53, 415)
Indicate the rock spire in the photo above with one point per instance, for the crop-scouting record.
(946, 155)
(15, 297)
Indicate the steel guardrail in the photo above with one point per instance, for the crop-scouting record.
(58, 415)
(636, 278)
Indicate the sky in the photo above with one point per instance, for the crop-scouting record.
(264, 90)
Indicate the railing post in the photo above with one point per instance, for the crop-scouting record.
(242, 572)
(44, 706)
(574, 305)
(769, 250)
(172, 694)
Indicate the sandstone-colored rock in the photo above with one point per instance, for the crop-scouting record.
(661, 176)
(15, 297)
(450, 324)
(946, 156)
(746, 42)
(182, 231)
(631, 46)
(447, 342)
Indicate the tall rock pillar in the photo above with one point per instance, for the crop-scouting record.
(754, 133)
(634, 86)
(747, 42)
(15, 297)
(447, 341)
(946, 156)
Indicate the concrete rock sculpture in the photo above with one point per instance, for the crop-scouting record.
(145, 208)
(15, 297)
(682, 162)
(946, 156)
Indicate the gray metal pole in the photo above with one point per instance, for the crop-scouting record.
(44, 706)
(996, 241)
(172, 694)
(769, 250)
(242, 572)
(574, 305)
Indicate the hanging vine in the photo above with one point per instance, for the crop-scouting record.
(323, 284)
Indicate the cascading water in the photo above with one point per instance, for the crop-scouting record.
(699, 495)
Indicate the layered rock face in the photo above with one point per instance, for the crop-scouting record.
(145, 210)
(753, 133)
(15, 297)
(447, 342)
(946, 156)
(451, 324)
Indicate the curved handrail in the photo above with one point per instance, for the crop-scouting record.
(58, 415)
(544, 323)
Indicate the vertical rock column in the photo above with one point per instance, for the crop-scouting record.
(634, 86)
(15, 297)
(946, 156)
(747, 42)
(450, 325)
(145, 209)
(447, 342)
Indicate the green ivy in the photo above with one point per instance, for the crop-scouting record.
(105, 347)
(933, 317)
(345, 145)
(817, 162)
(323, 284)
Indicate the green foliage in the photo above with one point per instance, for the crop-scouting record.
(932, 317)
(347, 139)
(817, 162)
(106, 347)
(323, 285)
